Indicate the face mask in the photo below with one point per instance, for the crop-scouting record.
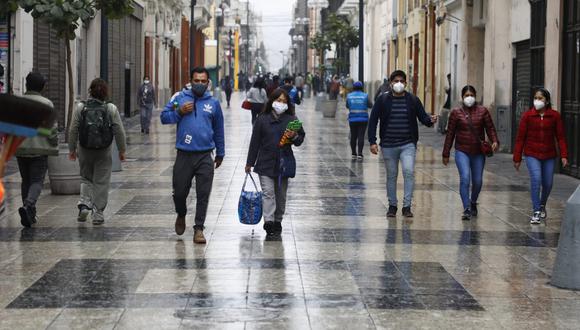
(539, 104)
(198, 89)
(469, 101)
(399, 87)
(188, 86)
(279, 107)
(145, 81)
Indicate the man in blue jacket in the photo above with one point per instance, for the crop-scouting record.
(398, 112)
(200, 130)
(358, 103)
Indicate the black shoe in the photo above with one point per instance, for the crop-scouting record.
(26, 218)
(392, 212)
(466, 215)
(269, 227)
(142, 131)
(277, 228)
(407, 212)
(473, 209)
(147, 131)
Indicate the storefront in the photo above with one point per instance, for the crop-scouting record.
(4, 55)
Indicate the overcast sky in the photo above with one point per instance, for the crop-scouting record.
(276, 23)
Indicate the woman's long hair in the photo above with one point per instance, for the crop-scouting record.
(273, 97)
(260, 83)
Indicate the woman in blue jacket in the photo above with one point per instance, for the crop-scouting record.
(272, 162)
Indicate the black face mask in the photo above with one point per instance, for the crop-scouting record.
(198, 89)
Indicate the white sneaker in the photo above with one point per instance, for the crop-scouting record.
(535, 219)
(543, 213)
(83, 214)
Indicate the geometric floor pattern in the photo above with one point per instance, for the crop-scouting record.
(339, 263)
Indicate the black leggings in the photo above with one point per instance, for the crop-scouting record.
(357, 133)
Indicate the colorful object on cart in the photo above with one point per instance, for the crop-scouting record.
(20, 118)
(294, 126)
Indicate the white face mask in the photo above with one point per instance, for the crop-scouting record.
(188, 86)
(145, 81)
(279, 107)
(539, 104)
(399, 87)
(469, 101)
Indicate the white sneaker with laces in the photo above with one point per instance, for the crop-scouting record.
(535, 219)
(543, 213)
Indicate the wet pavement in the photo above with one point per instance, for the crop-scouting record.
(339, 262)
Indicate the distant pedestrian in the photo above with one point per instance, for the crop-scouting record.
(358, 103)
(258, 97)
(273, 85)
(384, 88)
(540, 128)
(32, 155)
(468, 126)
(316, 82)
(266, 156)
(348, 84)
(299, 82)
(444, 118)
(291, 90)
(228, 87)
(94, 124)
(334, 88)
(147, 101)
(200, 130)
(398, 113)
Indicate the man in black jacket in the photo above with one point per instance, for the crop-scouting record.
(398, 112)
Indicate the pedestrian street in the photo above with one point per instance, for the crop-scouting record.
(339, 263)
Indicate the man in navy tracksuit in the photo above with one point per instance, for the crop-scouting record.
(200, 130)
(398, 111)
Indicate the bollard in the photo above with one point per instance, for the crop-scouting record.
(566, 273)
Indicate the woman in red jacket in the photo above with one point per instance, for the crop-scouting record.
(467, 126)
(539, 128)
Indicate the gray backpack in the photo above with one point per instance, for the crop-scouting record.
(96, 126)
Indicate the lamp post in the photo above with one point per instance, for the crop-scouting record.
(361, 41)
(221, 11)
(192, 38)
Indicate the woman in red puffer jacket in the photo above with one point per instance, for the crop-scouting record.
(539, 129)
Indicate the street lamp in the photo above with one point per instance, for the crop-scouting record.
(192, 38)
(222, 10)
(361, 42)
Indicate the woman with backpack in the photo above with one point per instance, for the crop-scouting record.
(540, 128)
(94, 124)
(468, 125)
(272, 158)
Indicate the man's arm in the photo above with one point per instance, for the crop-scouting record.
(169, 115)
(421, 114)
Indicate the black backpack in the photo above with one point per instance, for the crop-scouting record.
(96, 126)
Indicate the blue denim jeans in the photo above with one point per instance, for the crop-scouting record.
(541, 176)
(470, 169)
(406, 154)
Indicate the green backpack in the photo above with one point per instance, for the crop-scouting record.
(96, 126)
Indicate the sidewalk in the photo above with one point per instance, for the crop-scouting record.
(501, 164)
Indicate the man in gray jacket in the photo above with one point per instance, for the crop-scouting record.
(32, 155)
(94, 150)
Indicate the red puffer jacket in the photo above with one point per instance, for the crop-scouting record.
(458, 129)
(537, 135)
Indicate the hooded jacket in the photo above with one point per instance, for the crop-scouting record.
(202, 129)
(39, 145)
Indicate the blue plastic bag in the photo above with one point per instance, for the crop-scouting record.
(250, 204)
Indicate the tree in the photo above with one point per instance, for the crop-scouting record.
(343, 35)
(320, 43)
(64, 16)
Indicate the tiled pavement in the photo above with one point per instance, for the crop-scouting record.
(339, 263)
